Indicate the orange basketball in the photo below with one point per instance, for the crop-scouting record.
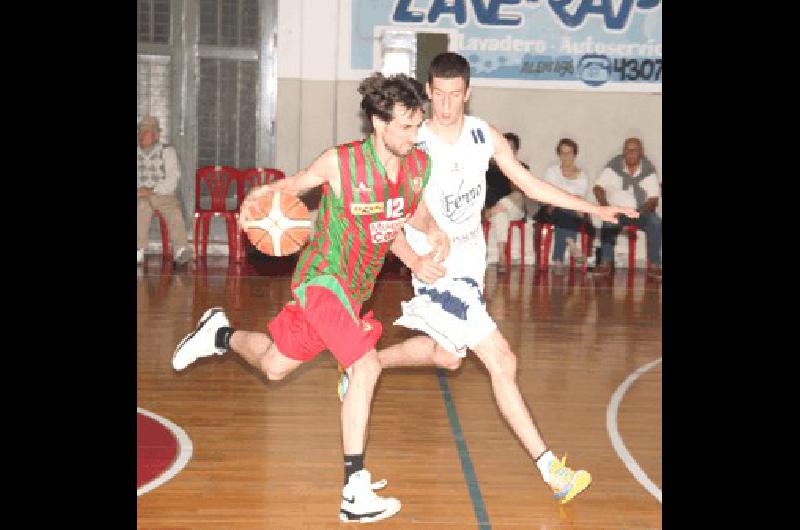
(279, 223)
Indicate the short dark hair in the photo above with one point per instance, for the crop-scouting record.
(513, 139)
(381, 93)
(567, 141)
(633, 139)
(449, 65)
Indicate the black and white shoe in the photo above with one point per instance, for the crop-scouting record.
(361, 505)
(201, 341)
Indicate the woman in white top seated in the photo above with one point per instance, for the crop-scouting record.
(569, 177)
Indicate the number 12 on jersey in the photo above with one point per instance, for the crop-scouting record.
(394, 208)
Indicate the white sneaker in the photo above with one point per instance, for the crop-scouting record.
(361, 505)
(200, 342)
(139, 256)
(183, 255)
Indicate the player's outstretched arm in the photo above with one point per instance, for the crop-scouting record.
(545, 192)
(323, 169)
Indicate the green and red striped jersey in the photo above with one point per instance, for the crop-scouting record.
(354, 231)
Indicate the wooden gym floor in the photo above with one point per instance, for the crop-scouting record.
(267, 455)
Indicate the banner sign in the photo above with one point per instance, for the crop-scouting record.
(588, 44)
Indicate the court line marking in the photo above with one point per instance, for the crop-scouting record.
(185, 450)
(616, 439)
(463, 454)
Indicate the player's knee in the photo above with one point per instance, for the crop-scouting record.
(273, 368)
(274, 374)
(445, 359)
(504, 365)
(508, 364)
(368, 368)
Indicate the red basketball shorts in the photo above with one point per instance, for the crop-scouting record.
(301, 333)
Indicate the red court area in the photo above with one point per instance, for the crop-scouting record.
(157, 449)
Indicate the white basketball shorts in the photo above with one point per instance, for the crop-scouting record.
(453, 313)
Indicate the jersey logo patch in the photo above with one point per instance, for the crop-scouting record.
(385, 231)
(477, 136)
(366, 208)
(423, 147)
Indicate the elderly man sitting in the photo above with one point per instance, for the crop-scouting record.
(158, 173)
(630, 180)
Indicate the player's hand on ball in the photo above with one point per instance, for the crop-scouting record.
(610, 213)
(427, 268)
(257, 192)
(246, 210)
(245, 214)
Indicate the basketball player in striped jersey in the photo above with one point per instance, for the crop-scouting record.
(370, 189)
(451, 310)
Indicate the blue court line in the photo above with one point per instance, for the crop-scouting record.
(463, 454)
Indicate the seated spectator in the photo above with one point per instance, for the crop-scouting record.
(504, 202)
(630, 180)
(569, 177)
(158, 173)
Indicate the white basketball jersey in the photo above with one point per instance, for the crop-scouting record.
(455, 195)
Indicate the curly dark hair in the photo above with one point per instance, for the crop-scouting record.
(381, 93)
(567, 141)
(449, 65)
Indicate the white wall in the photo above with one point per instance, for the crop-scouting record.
(318, 105)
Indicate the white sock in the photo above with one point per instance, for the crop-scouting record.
(544, 465)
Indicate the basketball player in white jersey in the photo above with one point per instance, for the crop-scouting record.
(451, 311)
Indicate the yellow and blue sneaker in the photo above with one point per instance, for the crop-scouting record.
(341, 387)
(565, 482)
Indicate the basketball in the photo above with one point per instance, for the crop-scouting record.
(279, 223)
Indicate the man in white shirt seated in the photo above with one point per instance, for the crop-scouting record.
(158, 173)
(630, 180)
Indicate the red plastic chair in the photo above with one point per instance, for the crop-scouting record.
(514, 224)
(631, 230)
(544, 240)
(543, 237)
(256, 176)
(165, 250)
(247, 180)
(218, 180)
(520, 224)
